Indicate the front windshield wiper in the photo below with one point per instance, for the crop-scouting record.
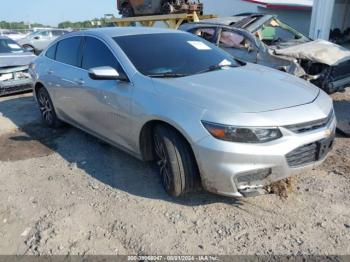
(215, 68)
(167, 75)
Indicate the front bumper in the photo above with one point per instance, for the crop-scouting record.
(15, 86)
(338, 85)
(237, 169)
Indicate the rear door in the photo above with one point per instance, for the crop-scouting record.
(106, 102)
(66, 78)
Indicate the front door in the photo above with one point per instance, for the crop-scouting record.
(106, 102)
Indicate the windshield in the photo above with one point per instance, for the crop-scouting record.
(274, 31)
(9, 46)
(173, 54)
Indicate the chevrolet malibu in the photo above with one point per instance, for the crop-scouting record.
(173, 98)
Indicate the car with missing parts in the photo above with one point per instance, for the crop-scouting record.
(14, 66)
(232, 127)
(264, 39)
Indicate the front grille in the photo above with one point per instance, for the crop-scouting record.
(303, 155)
(341, 71)
(313, 125)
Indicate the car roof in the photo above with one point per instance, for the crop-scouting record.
(238, 21)
(124, 31)
(201, 24)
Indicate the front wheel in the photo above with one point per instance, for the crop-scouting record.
(47, 110)
(176, 162)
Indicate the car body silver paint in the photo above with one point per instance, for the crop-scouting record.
(250, 95)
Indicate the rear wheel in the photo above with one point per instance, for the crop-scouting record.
(47, 110)
(176, 162)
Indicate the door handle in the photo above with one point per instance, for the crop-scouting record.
(80, 82)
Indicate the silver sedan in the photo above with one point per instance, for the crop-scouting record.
(173, 98)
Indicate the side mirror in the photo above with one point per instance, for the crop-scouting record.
(29, 49)
(37, 37)
(105, 73)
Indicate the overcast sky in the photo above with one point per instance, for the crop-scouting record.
(51, 12)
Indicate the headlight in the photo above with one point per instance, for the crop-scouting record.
(242, 134)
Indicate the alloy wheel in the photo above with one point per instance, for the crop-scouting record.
(45, 107)
(162, 162)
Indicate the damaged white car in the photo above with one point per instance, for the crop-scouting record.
(14, 65)
(265, 40)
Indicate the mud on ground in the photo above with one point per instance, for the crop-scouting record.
(65, 192)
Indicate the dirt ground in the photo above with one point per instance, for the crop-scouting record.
(65, 192)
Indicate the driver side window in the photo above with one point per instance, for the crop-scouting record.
(231, 39)
(97, 54)
(273, 31)
(205, 33)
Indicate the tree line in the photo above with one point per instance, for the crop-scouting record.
(66, 24)
(19, 25)
(69, 24)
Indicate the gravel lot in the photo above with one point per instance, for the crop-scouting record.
(65, 192)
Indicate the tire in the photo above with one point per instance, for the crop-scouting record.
(175, 160)
(167, 8)
(127, 11)
(47, 109)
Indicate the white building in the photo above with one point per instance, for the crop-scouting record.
(296, 13)
(327, 15)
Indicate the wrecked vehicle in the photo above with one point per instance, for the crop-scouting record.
(265, 40)
(14, 65)
(205, 122)
(129, 8)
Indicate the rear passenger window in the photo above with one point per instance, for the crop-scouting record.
(97, 54)
(206, 33)
(51, 52)
(68, 51)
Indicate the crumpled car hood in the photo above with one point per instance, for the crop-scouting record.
(247, 89)
(320, 51)
(16, 59)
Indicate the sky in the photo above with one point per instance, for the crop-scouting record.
(52, 12)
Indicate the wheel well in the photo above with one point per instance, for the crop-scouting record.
(146, 139)
(28, 45)
(37, 87)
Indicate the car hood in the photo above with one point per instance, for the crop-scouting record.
(320, 51)
(247, 89)
(16, 59)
